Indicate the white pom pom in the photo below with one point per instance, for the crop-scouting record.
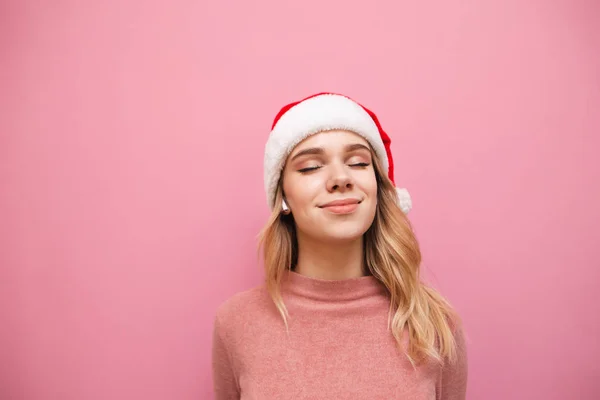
(404, 200)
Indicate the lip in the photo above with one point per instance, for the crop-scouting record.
(342, 206)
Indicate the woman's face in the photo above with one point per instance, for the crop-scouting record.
(330, 187)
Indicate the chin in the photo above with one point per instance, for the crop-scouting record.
(336, 229)
(343, 232)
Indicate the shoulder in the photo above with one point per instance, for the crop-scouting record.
(241, 308)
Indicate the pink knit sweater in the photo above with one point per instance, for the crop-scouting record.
(338, 347)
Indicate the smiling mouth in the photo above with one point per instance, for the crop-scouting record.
(345, 206)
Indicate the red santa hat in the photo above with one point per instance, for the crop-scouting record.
(318, 113)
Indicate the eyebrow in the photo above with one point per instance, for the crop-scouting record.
(319, 150)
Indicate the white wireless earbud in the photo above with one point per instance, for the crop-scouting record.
(285, 207)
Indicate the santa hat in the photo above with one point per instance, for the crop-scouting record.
(318, 113)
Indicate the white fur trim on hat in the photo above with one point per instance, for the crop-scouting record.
(316, 114)
(404, 200)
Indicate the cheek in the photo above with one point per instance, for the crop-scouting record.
(373, 188)
(368, 184)
(300, 191)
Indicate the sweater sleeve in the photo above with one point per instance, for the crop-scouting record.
(454, 375)
(225, 382)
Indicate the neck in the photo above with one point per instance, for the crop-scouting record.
(330, 261)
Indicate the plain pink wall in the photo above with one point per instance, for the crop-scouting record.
(131, 146)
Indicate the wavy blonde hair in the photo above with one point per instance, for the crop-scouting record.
(392, 255)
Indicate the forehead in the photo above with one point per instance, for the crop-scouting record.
(330, 140)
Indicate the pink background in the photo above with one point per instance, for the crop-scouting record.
(131, 178)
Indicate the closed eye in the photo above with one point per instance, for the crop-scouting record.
(309, 169)
(360, 164)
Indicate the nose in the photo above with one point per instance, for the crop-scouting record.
(340, 180)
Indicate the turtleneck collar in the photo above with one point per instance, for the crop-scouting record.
(331, 290)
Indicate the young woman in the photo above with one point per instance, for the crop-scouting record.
(343, 313)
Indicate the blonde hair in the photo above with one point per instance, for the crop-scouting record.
(392, 255)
